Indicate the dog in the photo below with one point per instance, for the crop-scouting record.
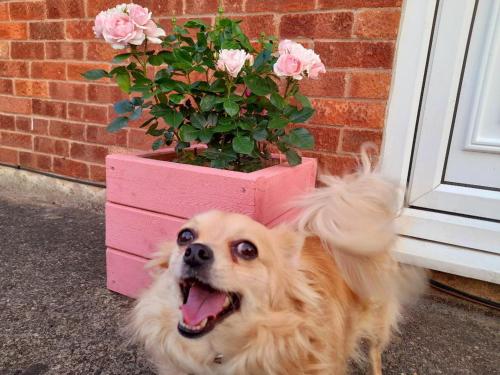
(233, 297)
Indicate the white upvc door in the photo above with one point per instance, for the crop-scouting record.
(443, 135)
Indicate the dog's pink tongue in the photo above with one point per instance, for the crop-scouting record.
(202, 304)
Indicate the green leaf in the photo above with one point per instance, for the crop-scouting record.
(207, 102)
(300, 116)
(258, 85)
(123, 106)
(212, 119)
(205, 135)
(260, 135)
(293, 158)
(225, 125)
(278, 122)
(176, 98)
(232, 108)
(123, 81)
(119, 58)
(261, 59)
(155, 60)
(147, 122)
(188, 133)
(181, 146)
(197, 120)
(136, 114)
(117, 124)
(243, 145)
(304, 100)
(157, 144)
(300, 138)
(195, 24)
(277, 101)
(174, 118)
(95, 74)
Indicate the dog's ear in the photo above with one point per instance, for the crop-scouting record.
(289, 241)
(161, 258)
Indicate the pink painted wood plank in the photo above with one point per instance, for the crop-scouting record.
(169, 188)
(137, 231)
(125, 273)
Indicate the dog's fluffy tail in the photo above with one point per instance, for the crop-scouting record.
(354, 217)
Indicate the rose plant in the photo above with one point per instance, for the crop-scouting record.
(209, 85)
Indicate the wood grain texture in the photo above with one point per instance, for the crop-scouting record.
(137, 231)
(125, 273)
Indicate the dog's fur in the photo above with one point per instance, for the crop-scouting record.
(315, 291)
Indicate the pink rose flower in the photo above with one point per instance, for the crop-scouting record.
(233, 60)
(119, 31)
(99, 24)
(315, 69)
(153, 32)
(285, 46)
(139, 15)
(289, 66)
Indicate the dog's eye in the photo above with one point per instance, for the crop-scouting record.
(185, 237)
(245, 250)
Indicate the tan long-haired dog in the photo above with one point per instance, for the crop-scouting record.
(233, 297)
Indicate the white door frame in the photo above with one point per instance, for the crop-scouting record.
(438, 251)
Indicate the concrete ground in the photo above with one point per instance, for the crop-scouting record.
(56, 316)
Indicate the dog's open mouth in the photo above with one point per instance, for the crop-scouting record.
(203, 307)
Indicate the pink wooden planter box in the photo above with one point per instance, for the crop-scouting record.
(148, 200)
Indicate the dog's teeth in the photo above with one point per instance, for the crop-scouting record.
(227, 302)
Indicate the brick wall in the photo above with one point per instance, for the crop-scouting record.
(54, 121)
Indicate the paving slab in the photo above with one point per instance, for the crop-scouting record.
(57, 318)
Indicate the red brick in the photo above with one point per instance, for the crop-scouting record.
(330, 84)
(27, 10)
(80, 29)
(235, 6)
(6, 86)
(75, 71)
(49, 108)
(8, 156)
(99, 134)
(32, 125)
(64, 50)
(4, 12)
(32, 88)
(326, 138)
(70, 168)
(96, 6)
(370, 85)
(98, 51)
(67, 130)
(353, 139)
(11, 104)
(47, 30)
(319, 25)
(7, 122)
(13, 69)
(334, 164)
(88, 113)
(67, 90)
(137, 139)
(278, 5)
(48, 70)
(332, 4)
(160, 8)
(14, 30)
(51, 146)
(104, 93)
(4, 50)
(377, 24)
(201, 6)
(65, 9)
(253, 26)
(27, 50)
(87, 152)
(97, 173)
(35, 161)
(356, 54)
(339, 112)
(16, 140)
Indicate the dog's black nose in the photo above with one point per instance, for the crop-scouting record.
(197, 255)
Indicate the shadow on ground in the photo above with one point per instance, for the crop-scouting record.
(56, 316)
